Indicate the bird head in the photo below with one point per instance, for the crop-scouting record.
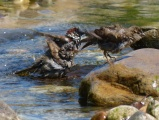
(75, 34)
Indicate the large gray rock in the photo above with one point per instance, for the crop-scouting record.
(146, 59)
(139, 115)
(124, 82)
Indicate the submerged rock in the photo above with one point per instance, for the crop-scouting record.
(6, 113)
(53, 89)
(124, 82)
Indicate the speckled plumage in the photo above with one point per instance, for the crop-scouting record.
(58, 58)
(113, 38)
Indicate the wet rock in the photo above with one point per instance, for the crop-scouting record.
(121, 112)
(6, 113)
(99, 116)
(151, 40)
(153, 109)
(101, 93)
(137, 81)
(139, 115)
(124, 82)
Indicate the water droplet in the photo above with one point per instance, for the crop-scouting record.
(33, 58)
(143, 103)
(4, 32)
(49, 28)
(5, 65)
(154, 84)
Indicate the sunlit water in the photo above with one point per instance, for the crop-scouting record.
(34, 99)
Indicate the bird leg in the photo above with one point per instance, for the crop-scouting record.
(106, 54)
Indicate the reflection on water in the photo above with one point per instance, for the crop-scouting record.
(20, 13)
(138, 12)
(38, 12)
(19, 48)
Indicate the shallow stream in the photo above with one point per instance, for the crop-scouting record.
(34, 99)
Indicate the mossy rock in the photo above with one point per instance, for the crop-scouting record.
(153, 108)
(121, 112)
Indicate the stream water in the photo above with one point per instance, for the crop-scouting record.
(34, 99)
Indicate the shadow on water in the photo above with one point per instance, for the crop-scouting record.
(20, 47)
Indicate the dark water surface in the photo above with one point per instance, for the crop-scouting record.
(34, 99)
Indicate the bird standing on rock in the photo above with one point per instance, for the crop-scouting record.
(113, 38)
(58, 59)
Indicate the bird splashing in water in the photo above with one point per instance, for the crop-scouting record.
(58, 59)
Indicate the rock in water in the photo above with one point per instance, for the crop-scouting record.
(122, 112)
(150, 40)
(125, 82)
(99, 116)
